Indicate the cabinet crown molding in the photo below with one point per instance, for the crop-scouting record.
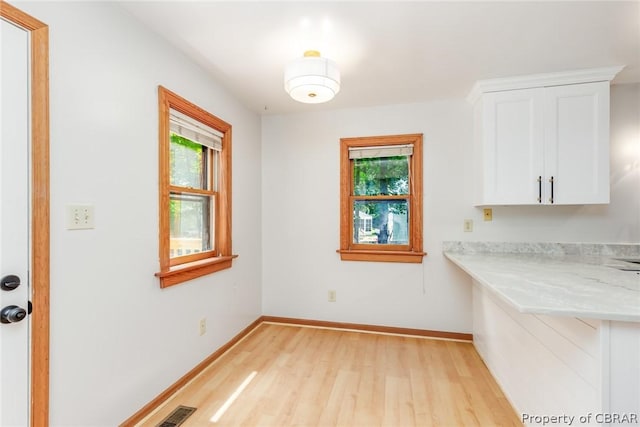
(542, 80)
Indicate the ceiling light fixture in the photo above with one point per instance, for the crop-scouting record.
(312, 79)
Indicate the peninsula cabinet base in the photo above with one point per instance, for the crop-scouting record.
(583, 372)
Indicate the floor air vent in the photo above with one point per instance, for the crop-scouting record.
(177, 417)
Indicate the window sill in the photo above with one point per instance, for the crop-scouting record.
(191, 270)
(381, 256)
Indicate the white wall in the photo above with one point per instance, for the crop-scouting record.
(300, 184)
(117, 339)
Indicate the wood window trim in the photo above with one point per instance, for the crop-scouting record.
(193, 269)
(411, 253)
(172, 273)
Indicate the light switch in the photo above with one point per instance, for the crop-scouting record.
(488, 214)
(80, 217)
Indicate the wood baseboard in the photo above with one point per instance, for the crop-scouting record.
(171, 390)
(166, 394)
(370, 328)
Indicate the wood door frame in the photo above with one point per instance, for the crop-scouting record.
(39, 44)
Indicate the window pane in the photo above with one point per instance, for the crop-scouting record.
(188, 162)
(381, 176)
(190, 224)
(381, 222)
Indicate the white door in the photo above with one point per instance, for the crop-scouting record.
(14, 224)
(577, 143)
(513, 135)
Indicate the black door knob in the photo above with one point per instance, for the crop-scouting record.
(12, 314)
(10, 282)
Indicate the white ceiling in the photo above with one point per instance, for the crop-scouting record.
(394, 52)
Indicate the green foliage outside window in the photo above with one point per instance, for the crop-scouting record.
(187, 161)
(379, 176)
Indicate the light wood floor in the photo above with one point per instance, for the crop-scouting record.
(323, 377)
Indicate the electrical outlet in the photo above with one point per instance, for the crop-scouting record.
(468, 225)
(80, 217)
(488, 214)
(332, 296)
(203, 326)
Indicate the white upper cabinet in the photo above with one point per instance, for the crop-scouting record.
(510, 146)
(576, 143)
(543, 139)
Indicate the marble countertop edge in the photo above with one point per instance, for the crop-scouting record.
(555, 284)
(544, 248)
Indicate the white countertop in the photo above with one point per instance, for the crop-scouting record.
(562, 285)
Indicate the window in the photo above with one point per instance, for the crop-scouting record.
(195, 191)
(381, 199)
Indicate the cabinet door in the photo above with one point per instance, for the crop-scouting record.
(577, 143)
(513, 146)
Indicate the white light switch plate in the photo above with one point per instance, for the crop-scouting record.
(80, 217)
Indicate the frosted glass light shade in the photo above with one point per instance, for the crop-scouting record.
(312, 79)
